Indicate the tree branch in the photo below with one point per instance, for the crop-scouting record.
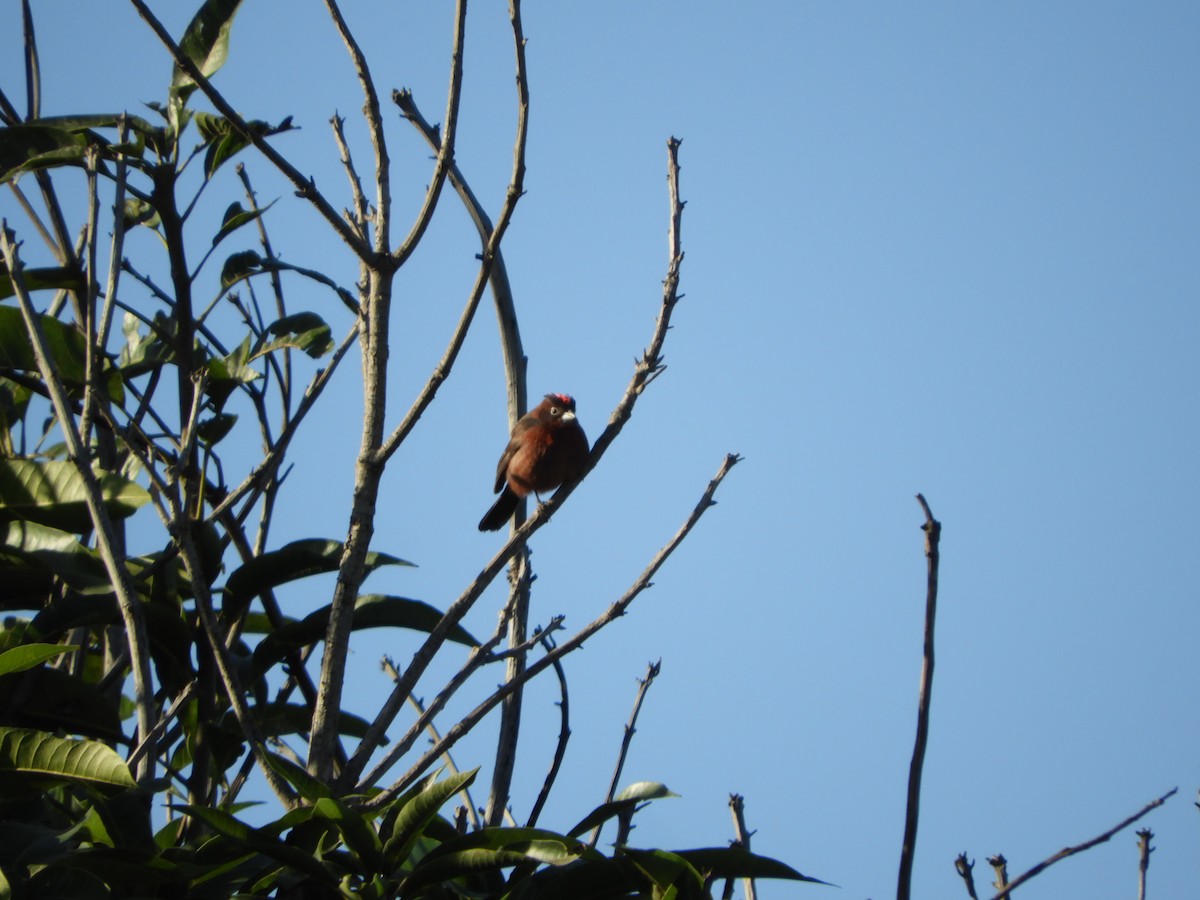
(1079, 848)
(933, 533)
(614, 612)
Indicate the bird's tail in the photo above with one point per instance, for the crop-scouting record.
(501, 511)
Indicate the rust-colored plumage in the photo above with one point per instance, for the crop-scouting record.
(547, 447)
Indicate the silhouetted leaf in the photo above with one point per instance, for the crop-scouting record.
(240, 265)
(298, 559)
(300, 331)
(370, 611)
(235, 217)
(24, 148)
(56, 278)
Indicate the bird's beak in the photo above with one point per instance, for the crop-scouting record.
(568, 416)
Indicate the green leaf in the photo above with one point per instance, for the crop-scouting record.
(32, 556)
(738, 862)
(275, 719)
(52, 493)
(492, 849)
(64, 344)
(630, 797)
(370, 611)
(54, 700)
(143, 353)
(213, 429)
(57, 278)
(308, 787)
(261, 841)
(356, 830)
(27, 656)
(420, 809)
(240, 265)
(300, 331)
(224, 142)
(24, 148)
(293, 561)
(235, 217)
(139, 212)
(34, 753)
(205, 43)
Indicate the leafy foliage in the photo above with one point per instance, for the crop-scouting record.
(140, 690)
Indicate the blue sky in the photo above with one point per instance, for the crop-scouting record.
(948, 248)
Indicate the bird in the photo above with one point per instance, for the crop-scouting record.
(547, 447)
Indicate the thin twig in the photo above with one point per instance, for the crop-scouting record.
(564, 735)
(449, 135)
(1079, 848)
(933, 532)
(389, 667)
(614, 612)
(374, 119)
(652, 670)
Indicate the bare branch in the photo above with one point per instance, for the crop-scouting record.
(614, 612)
(1079, 848)
(737, 806)
(652, 670)
(449, 133)
(1145, 836)
(933, 532)
(374, 117)
(965, 871)
(564, 735)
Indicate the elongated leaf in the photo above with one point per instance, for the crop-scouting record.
(205, 43)
(18, 659)
(416, 814)
(235, 217)
(52, 493)
(301, 331)
(240, 265)
(53, 700)
(370, 611)
(64, 345)
(492, 849)
(298, 559)
(645, 790)
(261, 841)
(630, 797)
(296, 718)
(57, 278)
(33, 557)
(356, 830)
(738, 862)
(24, 148)
(308, 787)
(35, 753)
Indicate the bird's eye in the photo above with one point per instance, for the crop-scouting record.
(554, 411)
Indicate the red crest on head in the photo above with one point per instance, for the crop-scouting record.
(564, 400)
